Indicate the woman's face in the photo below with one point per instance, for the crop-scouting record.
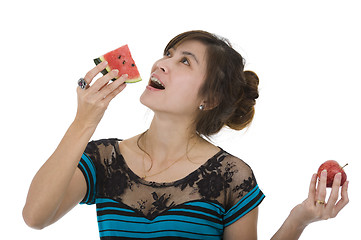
(176, 79)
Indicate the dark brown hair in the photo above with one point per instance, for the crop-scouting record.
(230, 93)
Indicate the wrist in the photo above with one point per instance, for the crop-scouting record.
(291, 229)
(80, 132)
(83, 126)
(295, 220)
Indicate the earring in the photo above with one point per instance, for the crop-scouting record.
(201, 107)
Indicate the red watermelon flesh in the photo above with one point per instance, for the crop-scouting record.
(122, 60)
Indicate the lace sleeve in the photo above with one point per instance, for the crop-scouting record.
(97, 165)
(243, 193)
(87, 166)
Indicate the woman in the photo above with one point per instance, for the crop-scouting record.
(169, 182)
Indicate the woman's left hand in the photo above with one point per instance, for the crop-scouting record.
(315, 207)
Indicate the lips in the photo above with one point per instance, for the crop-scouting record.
(154, 82)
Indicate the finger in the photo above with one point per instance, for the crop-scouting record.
(118, 82)
(114, 93)
(344, 198)
(92, 73)
(312, 188)
(334, 192)
(103, 81)
(106, 90)
(321, 188)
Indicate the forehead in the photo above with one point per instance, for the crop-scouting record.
(195, 47)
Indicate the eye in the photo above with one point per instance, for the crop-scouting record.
(167, 53)
(185, 61)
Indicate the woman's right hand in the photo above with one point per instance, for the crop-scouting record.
(94, 99)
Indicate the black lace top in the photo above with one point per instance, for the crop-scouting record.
(199, 206)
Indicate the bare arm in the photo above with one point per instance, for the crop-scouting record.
(50, 184)
(59, 185)
(311, 210)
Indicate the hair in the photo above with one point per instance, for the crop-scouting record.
(229, 92)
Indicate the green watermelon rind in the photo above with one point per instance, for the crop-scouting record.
(107, 69)
(97, 61)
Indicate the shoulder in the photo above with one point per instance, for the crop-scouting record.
(102, 148)
(102, 143)
(234, 166)
(239, 178)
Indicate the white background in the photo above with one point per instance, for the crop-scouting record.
(306, 53)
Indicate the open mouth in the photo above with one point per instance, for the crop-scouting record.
(155, 83)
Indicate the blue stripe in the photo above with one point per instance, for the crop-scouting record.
(244, 201)
(254, 194)
(195, 212)
(247, 211)
(220, 209)
(196, 221)
(106, 200)
(122, 218)
(160, 233)
(114, 208)
(90, 164)
(142, 221)
(87, 180)
(177, 218)
(171, 224)
(89, 175)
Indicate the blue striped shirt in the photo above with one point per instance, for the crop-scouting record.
(198, 206)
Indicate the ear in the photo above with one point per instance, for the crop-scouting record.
(208, 105)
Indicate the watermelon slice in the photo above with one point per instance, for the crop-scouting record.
(122, 60)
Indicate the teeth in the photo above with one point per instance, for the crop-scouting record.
(154, 79)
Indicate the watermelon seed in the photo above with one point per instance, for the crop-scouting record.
(119, 56)
(124, 62)
(133, 65)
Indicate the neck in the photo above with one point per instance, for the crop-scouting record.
(166, 140)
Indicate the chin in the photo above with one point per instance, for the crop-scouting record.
(143, 98)
(148, 101)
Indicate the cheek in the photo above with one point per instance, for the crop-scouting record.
(188, 92)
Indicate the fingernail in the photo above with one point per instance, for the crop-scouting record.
(115, 71)
(105, 63)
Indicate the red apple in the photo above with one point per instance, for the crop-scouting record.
(332, 168)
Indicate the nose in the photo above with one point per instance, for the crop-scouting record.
(162, 65)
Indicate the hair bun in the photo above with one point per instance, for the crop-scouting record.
(252, 82)
(244, 108)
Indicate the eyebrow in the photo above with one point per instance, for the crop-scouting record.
(187, 54)
(190, 54)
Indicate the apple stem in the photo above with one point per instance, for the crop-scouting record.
(345, 165)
